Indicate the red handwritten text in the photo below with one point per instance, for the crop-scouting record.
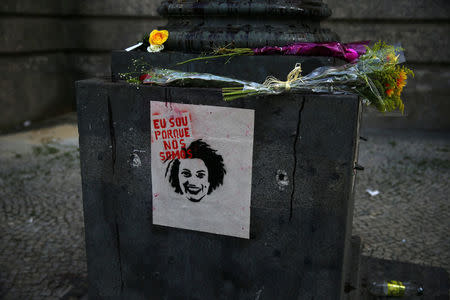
(172, 132)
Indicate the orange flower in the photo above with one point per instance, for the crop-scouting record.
(401, 81)
(158, 37)
(389, 92)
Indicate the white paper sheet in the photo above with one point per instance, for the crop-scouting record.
(207, 185)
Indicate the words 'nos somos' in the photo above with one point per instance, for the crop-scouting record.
(172, 132)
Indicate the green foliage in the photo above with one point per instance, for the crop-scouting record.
(139, 66)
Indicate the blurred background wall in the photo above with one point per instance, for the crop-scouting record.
(423, 29)
(46, 45)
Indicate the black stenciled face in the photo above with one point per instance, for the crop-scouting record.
(193, 178)
(199, 173)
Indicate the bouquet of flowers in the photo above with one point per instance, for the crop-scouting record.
(377, 77)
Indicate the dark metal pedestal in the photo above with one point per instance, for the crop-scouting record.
(199, 25)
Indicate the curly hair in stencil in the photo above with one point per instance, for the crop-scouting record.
(213, 161)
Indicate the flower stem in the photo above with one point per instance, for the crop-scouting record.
(221, 53)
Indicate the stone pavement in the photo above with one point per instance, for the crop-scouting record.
(41, 221)
(409, 220)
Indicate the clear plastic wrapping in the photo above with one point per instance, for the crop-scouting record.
(377, 77)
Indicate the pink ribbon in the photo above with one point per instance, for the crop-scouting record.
(348, 52)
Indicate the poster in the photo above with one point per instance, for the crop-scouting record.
(202, 167)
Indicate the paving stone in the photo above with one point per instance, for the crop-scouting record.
(36, 256)
(411, 170)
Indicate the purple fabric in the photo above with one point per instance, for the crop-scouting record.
(349, 52)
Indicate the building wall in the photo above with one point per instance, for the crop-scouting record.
(45, 46)
(423, 29)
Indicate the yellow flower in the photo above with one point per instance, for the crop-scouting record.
(392, 58)
(158, 37)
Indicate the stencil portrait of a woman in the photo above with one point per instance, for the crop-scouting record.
(198, 174)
